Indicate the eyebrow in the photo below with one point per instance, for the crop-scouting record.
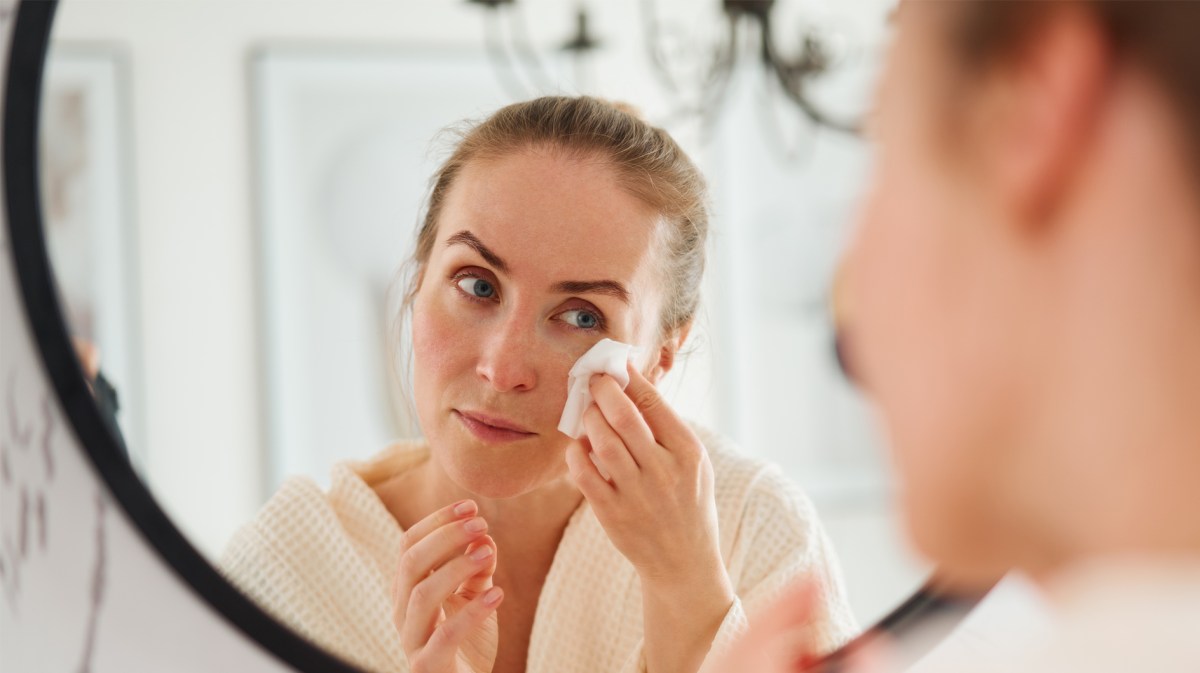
(605, 287)
(470, 240)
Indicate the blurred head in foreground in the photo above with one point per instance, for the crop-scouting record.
(1026, 279)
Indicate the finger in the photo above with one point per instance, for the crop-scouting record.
(89, 356)
(780, 635)
(879, 654)
(424, 608)
(440, 546)
(446, 640)
(482, 580)
(432, 551)
(587, 478)
(668, 428)
(459, 510)
(794, 606)
(608, 447)
(625, 419)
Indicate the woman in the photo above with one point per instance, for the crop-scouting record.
(1026, 294)
(495, 544)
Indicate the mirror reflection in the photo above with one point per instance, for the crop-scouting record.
(333, 269)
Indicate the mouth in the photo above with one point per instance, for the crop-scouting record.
(492, 429)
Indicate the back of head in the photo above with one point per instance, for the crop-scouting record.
(1026, 277)
(1157, 36)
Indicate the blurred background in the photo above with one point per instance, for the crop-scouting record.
(230, 187)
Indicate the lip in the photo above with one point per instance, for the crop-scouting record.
(492, 429)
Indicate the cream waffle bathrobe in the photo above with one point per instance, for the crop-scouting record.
(323, 564)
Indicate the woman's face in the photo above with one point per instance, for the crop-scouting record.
(933, 331)
(538, 256)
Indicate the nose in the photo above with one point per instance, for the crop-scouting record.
(507, 359)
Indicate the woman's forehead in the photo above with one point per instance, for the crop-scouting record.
(559, 267)
(551, 215)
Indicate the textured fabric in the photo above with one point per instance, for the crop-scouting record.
(323, 564)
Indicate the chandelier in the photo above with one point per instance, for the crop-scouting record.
(522, 71)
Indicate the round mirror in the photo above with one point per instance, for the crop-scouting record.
(230, 193)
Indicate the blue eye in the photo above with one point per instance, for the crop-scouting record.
(477, 287)
(581, 319)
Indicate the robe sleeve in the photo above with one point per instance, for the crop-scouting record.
(777, 540)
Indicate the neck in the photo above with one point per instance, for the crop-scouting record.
(1137, 498)
(523, 526)
(1112, 466)
(1119, 465)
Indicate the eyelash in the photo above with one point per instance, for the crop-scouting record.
(462, 275)
(601, 323)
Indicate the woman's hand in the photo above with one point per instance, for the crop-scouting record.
(657, 505)
(89, 357)
(779, 640)
(659, 511)
(444, 604)
(776, 641)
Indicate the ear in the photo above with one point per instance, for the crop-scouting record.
(1034, 115)
(666, 354)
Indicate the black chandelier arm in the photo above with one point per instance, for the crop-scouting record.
(797, 148)
(522, 72)
(791, 76)
(714, 82)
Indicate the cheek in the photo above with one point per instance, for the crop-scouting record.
(441, 350)
(918, 347)
(450, 340)
(899, 275)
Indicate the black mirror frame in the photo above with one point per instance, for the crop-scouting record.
(22, 98)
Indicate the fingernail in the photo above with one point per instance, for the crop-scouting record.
(475, 525)
(463, 508)
(492, 596)
(481, 553)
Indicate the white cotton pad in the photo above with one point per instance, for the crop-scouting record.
(606, 357)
